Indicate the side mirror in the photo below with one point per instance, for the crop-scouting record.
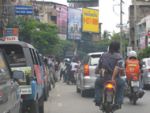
(18, 75)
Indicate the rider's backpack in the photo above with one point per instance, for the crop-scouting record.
(107, 63)
(132, 68)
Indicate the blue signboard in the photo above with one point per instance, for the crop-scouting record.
(74, 24)
(23, 10)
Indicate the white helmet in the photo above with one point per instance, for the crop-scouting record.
(132, 54)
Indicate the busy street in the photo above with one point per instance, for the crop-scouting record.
(74, 56)
(64, 99)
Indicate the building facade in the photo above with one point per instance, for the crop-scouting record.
(137, 11)
(144, 32)
(53, 13)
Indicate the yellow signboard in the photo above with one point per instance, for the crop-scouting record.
(90, 20)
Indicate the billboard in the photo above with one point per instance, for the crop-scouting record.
(74, 24)
(62, 14)
(90, 20)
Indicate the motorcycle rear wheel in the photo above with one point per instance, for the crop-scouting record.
(133, 101)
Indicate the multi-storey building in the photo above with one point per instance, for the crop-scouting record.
(53, 13)
(144, 32)
(137, 11)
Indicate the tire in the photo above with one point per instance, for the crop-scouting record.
(83, 93)
(77, 89)
(41, 108)
(20, 109)
(35, 107)
(45, 94)
(134, 101)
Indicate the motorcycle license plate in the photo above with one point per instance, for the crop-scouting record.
(135, 83)
(109, 96)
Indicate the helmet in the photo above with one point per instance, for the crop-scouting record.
(132, 54)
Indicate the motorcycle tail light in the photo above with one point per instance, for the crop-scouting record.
(109, 86)
(135, 78)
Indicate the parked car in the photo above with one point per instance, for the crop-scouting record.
(146, 71)
(10, 99)
(24, 57)
(86, 75)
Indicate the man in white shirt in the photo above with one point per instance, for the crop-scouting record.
(74, 67)
(62, 69)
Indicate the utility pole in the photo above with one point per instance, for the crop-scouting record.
(135, 21)
(121, 27)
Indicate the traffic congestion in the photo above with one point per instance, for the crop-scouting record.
(72, 56)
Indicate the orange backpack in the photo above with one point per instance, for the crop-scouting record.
(132, 68)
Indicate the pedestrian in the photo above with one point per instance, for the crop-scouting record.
(62, 69)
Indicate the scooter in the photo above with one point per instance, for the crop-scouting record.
(134, 91)
(108, 99)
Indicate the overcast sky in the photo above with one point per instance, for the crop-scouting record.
(109, 13)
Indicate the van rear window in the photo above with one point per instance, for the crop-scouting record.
(15, 54)
(94, 61)
(95, 56)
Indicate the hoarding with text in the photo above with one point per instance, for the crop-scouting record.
(90, 20)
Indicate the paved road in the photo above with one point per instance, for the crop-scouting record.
(64, 99)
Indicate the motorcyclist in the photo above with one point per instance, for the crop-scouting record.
(112, 63)
(132, 60)
(133, 67)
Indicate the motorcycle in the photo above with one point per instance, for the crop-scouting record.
(108, 99)
(134, 91)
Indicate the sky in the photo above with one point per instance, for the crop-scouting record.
(109, 13)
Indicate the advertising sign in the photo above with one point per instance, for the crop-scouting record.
(74, 24)
(10, 34)
(62, 13)
(90, 20)
(23, 10)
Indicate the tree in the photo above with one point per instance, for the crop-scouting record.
(145, 53)
(43, 36)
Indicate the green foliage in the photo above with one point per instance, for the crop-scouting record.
(61, 47)
(87, 45)
(115, 36)
(42, 36)
(144, 53)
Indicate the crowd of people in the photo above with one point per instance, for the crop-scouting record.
(62, 70)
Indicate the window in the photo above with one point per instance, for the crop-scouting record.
(94, 61)
(4, 71)
(32, 55)
(15, 54)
